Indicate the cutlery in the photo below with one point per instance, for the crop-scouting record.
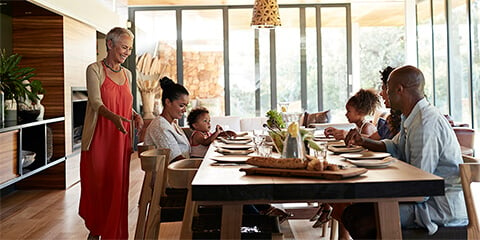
(226, 164)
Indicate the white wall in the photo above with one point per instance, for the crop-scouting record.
(90, 12)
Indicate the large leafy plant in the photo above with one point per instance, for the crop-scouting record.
(12, 79)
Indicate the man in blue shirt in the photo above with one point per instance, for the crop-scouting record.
(427, 141)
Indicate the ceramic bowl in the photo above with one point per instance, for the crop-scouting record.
(28, 158)
(27, 115)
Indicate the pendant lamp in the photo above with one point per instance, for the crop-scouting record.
(265, 14)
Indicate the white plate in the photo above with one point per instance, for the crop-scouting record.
(235, 146)
(235, 152)
(372, 163)
(231, 158)
(235, 141)
(343, 149)
(365, 155)
(324, 139)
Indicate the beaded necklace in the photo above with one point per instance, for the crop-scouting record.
(111, 68)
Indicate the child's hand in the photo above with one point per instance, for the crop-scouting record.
(328, 131)
(338, 134)
(218, 129)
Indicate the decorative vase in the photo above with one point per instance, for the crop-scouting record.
(10, 110)
(148, 100)
(40, 107)
(293, 146)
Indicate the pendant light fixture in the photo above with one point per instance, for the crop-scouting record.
(265, 14)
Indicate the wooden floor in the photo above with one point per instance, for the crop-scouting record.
(53, 214)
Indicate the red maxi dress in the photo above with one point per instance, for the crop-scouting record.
(104, 169)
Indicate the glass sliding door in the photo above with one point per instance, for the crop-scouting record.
(288, 59)
(334, 60)
(459, 59)
(314, 82)
(203, 76)
(425, 45)
(231, 68)
(440, 56)
(155, 48)
(241, 63)
(475, 53)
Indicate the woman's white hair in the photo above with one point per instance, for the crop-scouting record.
(116, 33)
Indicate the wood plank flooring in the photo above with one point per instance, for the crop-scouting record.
(53, 214)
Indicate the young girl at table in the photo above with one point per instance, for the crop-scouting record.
(360, 105)
(201, 138)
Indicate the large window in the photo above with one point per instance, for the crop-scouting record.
(241, 64)
(475, 53)
(202, 37)
(444, 55)
(233, 69)
(459, 60)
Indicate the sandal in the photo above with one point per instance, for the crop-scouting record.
(325, 215)
(318, 213)
(277, 212)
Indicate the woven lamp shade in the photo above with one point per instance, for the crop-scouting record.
(265, 14)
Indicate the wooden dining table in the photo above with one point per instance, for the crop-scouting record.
(225, 185)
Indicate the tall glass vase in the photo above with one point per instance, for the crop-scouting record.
(293, 146)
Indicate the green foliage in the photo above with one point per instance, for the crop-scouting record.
(279, 137)
(12, 79)
(275, 120)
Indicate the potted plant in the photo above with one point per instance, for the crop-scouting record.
(15, 83)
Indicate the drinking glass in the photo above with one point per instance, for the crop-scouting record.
(322, 153)
(265, 150)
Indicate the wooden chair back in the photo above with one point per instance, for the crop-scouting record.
(469, 173)
(466, 139)
(470, 159)
(154, 163)
(142, 147)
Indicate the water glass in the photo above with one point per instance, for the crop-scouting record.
(322, 153)
(265, 150)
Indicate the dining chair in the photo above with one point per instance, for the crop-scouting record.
(470, 159)
(469, 173)
(142, 147)
(466, 139)
(180, 175)
(153, 163)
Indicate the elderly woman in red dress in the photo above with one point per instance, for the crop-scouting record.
(106, 141)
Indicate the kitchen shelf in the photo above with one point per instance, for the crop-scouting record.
(44, 137)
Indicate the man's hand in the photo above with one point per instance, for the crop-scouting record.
(353, 138)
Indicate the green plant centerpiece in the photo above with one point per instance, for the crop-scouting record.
(278, 133)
